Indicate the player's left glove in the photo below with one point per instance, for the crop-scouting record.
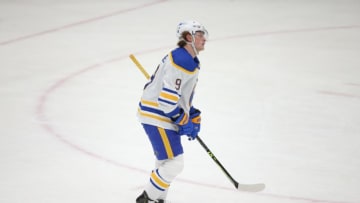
(183, 122)
(196, 121)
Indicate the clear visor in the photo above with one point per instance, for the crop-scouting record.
(202, 33)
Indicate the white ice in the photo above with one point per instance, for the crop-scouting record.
(279, 89)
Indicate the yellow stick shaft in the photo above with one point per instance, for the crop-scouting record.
(140, 67)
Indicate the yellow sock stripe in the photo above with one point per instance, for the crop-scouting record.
(166, 142)
(158, 181)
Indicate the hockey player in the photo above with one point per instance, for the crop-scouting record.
(166, 111)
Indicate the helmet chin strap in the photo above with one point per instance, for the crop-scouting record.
(192, 43)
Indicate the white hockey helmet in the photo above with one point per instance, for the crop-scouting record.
(192, 27)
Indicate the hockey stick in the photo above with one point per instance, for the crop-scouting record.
(241, 187)
(139, 66)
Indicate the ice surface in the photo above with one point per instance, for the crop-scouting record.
(279, 89)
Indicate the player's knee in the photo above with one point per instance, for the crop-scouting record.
(178, 164)
(172, 167)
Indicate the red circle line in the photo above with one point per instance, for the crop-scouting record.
(46, 124)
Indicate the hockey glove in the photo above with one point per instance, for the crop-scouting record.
(185, 125)
(196, 121)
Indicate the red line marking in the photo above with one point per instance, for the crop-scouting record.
(82, 22)
(44, 122)
(338, 94)
(280, 32)
(353, 84)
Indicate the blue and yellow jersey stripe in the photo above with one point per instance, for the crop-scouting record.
(169, 96)
(150, 109)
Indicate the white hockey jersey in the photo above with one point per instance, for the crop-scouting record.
(171, 87)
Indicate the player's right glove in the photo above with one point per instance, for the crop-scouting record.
(185, 125)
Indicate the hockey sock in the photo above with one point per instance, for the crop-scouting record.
(161, 177)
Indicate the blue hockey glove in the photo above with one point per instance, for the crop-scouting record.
(196, 121)
(185, 125)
